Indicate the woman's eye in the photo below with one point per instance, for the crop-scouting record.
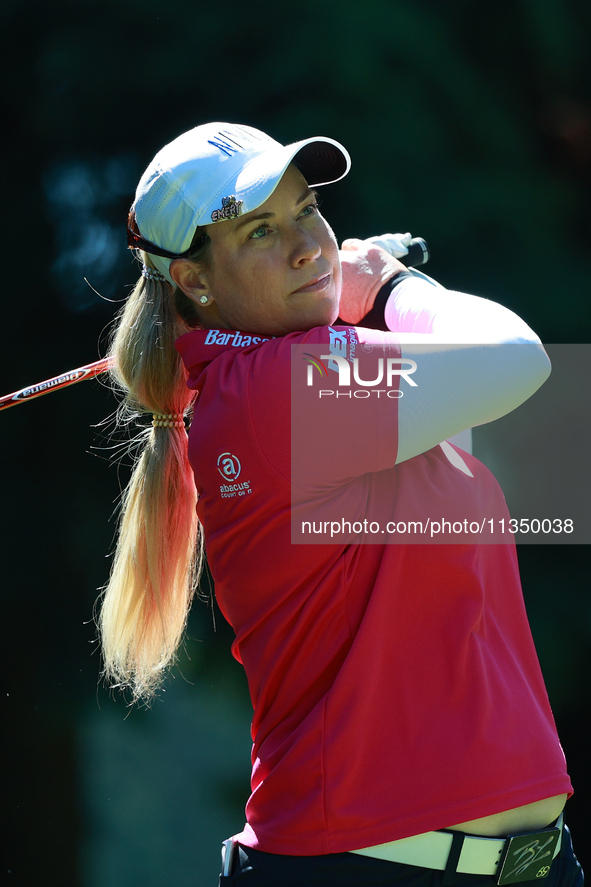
(259, 232)
(309, 210)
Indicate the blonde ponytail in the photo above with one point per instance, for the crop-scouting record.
(158, 556)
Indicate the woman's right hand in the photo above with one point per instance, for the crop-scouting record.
(366, 268)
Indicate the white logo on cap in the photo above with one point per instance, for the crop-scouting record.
(230, 209)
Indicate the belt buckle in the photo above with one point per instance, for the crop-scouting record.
(527, 856)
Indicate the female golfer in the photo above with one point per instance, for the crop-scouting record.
(401, 727)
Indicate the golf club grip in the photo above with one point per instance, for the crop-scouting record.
(418, 253)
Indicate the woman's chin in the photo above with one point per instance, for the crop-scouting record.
(322, 313)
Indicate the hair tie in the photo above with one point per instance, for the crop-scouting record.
(168, 420)
(152, 273)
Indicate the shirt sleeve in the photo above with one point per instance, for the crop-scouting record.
(476, 361)
(363, 400)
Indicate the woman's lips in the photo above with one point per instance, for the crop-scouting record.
(315, 285)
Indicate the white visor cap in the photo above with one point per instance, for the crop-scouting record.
(218, 171)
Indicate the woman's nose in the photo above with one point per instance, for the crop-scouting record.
(305, 248)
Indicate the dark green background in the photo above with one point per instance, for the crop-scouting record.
(469, 124)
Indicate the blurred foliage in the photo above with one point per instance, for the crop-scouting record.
(468, 124)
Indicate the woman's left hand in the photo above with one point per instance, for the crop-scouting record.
(366, 268)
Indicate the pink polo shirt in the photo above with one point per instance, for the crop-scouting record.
(395, 687)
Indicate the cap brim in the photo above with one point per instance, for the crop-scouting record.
(320, 160)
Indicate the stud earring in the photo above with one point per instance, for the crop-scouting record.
(204, 300)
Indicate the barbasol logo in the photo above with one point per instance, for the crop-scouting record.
(226, 337)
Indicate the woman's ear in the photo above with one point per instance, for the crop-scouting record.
(192, 280)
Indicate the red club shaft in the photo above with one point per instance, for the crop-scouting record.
(62, 381)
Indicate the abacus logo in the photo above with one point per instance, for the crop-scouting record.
(229, 466)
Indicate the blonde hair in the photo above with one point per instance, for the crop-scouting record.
(158, 556)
